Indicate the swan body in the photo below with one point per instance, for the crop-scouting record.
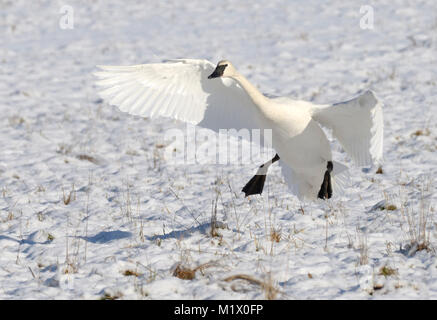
(219, 97)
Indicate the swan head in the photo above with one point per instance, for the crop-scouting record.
(224, 69)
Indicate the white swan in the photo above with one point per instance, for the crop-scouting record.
(219, 97)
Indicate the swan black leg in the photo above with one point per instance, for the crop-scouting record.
(256, 184)
(326, 187)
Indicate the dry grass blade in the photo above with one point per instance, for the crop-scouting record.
(71, 196)
(275, 235)
(419, 222)
(386, 271)
(244, 277)
(85, 157)
(268, 287)
(129, 273)
(186, 273)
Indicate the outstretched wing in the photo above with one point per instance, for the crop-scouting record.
(178, 89)
(357, 124)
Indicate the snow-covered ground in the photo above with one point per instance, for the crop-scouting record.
(90, 209)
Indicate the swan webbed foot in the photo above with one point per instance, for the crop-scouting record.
(255, 185)
(326, 187)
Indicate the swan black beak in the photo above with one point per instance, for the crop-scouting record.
(218, 72)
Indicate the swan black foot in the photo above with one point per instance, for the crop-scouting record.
(326, 187)
(256, 184)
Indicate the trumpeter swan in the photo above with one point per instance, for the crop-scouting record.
(219, 97)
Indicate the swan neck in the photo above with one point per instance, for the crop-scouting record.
(257, 97)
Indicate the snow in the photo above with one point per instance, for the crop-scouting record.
(132, 218)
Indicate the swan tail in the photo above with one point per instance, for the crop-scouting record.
(340, 178)
(332, 183)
